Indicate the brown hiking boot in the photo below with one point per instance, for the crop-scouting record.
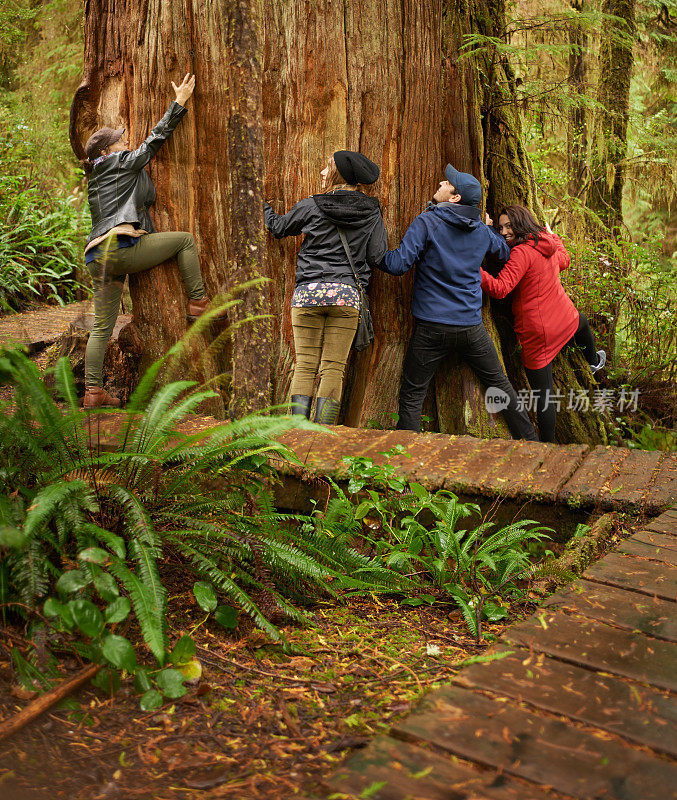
(96, 397)
(196, 308)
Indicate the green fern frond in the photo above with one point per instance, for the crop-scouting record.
(147, 607)
(46, 502)
(468, 613)
(208, 569)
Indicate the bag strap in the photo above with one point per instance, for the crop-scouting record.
(344, 242)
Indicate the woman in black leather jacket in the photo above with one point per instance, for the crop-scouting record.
(123, 239)
(326, 302)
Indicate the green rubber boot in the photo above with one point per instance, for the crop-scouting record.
(326, 410)
(300, 405)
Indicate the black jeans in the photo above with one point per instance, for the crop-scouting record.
(542, 384)
(429, 344)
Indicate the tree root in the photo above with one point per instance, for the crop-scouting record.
(46, 701)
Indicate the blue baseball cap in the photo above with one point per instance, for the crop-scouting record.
(466, 185)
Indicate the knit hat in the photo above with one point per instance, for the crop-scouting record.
(355, 168)
(466, 185)
(102, 140)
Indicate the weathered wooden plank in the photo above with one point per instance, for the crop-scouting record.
(585, 484)
(635, 547)
(508, 476)
(637, 713)
(630, 480)
(322, 452)
(541, 749)
(390, 769)
(598, 646)
(419, 448)
(559, 464)
(478, 466)
(663, 489)
(666, 523)
(638, 574)
(656, 539)
(447, 460)
(630, 610)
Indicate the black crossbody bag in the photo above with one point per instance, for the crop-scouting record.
(364, 335)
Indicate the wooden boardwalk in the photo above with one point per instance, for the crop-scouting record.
(583, 706)
(38, 329)
(578, 476)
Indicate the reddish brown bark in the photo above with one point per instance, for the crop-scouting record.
(339, 75)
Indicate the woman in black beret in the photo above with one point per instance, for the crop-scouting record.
(326, 302)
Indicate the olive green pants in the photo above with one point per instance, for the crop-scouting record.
(323, 336)
(108, 277)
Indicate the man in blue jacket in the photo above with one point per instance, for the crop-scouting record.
(448, 242)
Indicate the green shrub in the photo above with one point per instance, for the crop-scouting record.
(427, 539)
(41, 244)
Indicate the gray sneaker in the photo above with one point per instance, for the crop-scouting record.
(601, 355)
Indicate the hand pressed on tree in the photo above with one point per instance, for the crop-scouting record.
(185, 89)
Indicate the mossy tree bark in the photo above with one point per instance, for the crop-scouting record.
(208, 175)
(577, 127)
(609, 143)
(510, 179)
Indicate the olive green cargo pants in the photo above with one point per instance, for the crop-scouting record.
(108, 276)
(323, 336)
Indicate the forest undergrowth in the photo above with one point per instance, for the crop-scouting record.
(261, 723)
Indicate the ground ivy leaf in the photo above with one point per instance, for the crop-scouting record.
(205, 596)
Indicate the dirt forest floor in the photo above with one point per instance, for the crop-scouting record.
(259, 725)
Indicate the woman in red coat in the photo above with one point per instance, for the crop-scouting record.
(545, 318)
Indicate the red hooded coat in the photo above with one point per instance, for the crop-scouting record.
(545, 317)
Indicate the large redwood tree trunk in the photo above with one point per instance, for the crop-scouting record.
(342, 75)
(208, 175)
(381, 76)
(387, 77)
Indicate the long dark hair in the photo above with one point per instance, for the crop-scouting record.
(523, 224)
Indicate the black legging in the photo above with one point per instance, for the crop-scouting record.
(541, 382)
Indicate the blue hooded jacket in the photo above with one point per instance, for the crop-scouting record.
(449, 242)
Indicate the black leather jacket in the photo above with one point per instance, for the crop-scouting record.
(120, 190)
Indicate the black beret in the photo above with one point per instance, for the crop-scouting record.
(355, 168)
